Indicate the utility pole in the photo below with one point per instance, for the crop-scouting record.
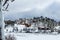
(2, 37)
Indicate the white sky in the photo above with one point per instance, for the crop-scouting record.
(28, 5)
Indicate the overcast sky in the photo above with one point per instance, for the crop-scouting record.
(31, 8)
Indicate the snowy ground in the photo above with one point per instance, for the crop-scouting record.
(35, 36)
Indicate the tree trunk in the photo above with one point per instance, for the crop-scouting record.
(2, 37)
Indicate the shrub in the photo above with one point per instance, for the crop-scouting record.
(10, 37)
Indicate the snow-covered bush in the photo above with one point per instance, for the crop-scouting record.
(20, 27)
(9, 28)
(57, 29)
(10, 37)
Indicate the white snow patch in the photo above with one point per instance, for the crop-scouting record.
(32, 36)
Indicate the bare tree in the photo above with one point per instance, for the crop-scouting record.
(2, 18)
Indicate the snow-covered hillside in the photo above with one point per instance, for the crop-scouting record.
(32, 36)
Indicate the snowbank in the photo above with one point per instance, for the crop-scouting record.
(32, 36)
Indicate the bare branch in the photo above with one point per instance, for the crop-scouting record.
(7, 6)
(5, 2)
